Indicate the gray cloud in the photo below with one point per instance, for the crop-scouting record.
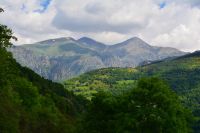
(193, 3)
(79, 24)
(94, 8)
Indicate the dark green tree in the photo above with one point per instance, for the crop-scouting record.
(151, 107)
(5, 35)
(156, 109)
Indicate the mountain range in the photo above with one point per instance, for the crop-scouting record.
(63, 58)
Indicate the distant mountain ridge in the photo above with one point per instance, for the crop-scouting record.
(63, 58)
(88, 42)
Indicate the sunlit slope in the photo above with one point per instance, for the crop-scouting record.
(182, 74)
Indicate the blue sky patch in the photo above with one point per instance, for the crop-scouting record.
(44, 4)
(162, 5)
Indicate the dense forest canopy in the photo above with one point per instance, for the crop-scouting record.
(182, 75)
(150, 107)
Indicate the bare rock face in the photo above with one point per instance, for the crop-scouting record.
(63, 58)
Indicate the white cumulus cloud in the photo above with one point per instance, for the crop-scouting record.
(170, 23)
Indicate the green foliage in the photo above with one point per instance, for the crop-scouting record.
(182, 74)
(9, 110)
(150, 107)
(5, 35)
(30, 103)
(158, 107)
(116, 80)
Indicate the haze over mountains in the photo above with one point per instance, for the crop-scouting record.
(64, 58)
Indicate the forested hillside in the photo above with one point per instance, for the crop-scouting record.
(182, 74)
(150, 107)
(30, 103)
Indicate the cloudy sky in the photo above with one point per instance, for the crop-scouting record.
(173, 23)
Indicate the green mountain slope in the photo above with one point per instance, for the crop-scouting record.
(181, 73)
(172, 70)
(56, 59)
(30, 104)
(92, 44)
(64, 58)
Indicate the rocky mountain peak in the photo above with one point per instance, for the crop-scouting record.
(65, 57)
(91, 43)
(56, 40)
